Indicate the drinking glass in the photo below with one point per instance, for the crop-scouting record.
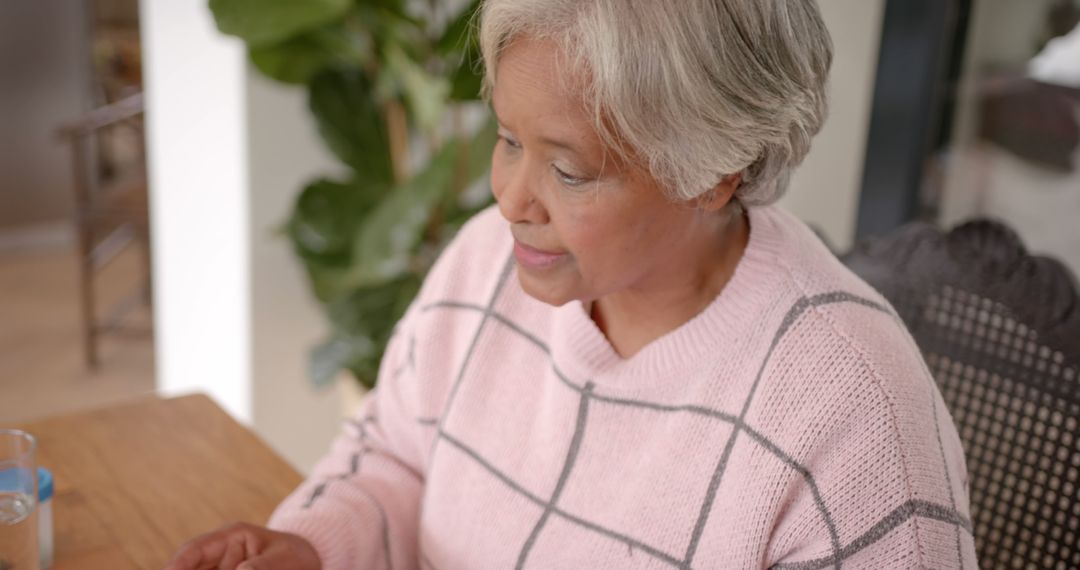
(18, 502)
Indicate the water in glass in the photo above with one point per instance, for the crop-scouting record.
(18, 539)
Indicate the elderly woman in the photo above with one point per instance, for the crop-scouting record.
(636, 361)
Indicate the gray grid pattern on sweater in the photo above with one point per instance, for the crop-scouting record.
(587, 394)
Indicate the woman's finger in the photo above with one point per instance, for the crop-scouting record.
(257, 563)
(276, 556)
(284, 551)
(201, 553)
(230, 544)
(236, 551)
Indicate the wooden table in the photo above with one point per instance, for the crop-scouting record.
(136, 480)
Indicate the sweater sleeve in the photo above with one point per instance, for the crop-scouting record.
(885, 485)
(912, 533)
(360, 506)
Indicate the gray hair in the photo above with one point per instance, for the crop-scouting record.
(698, 89)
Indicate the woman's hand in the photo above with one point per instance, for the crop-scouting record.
(242, 546)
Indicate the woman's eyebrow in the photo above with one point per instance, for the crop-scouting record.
(547, 140)
(558, 143)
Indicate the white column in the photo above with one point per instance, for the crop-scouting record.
(197, 158)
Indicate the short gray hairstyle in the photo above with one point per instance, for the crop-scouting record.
(698, 89)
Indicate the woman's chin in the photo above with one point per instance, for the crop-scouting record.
(546, 289)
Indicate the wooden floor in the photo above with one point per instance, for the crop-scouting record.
(42, 371)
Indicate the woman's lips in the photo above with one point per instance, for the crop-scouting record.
(535, 258)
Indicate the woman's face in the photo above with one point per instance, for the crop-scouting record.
(584, 227)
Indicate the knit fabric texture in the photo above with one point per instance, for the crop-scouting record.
(791, 424)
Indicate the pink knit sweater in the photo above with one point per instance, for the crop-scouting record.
(791, 424)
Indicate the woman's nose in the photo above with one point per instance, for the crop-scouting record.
(517, 198)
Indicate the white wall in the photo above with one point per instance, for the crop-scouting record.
(284, 152)
(1005, 33)
(825, 189)
(228, 153)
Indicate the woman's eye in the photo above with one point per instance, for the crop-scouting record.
(568, 179)
(509, 141)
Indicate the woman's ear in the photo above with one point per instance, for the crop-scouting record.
(721, 195)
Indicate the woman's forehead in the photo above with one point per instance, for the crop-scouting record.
(533, 79)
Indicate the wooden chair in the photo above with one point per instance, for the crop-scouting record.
(111, 212)
(1000, 331)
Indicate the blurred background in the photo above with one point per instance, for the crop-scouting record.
(195, 197)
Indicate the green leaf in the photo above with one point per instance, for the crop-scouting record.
(425, 94)
(299, 59)
(387, 24)
(294, 61)
(460, 49)
(323, 227)
(351, 124)
(364, 321)
(329, 281)
(384, 246)
(360, 310)
(335, 354)
(326, 217)
(264, 22)
(467, 78)
(458, 208)
(480, 148)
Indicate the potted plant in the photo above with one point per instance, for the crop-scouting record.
(390, 85)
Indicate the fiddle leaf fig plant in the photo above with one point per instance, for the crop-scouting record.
(385, 79)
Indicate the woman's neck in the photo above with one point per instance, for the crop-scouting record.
(633, 318)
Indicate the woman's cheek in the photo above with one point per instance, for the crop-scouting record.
(586, 244)
(496, 176)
